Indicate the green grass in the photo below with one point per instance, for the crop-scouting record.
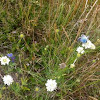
(50, 29)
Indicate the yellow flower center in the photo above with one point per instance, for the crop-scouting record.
(4, 60)
(37, 89)
(52, 85)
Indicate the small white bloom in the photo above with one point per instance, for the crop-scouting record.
(4, 60)
(88, 45)
(80, 50)
(92, 46)
(51, 85)
(7, 79)
(72, 65)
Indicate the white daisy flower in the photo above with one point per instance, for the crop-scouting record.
(4, 60)
(88, 45)
(80, 50)
(7, 79)
(51, 85)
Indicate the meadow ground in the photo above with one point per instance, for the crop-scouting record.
(43, 37)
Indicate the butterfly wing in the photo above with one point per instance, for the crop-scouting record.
(83, 39)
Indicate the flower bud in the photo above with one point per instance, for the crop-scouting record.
(57, 30)
(78, 55)
(21, 36)
(72, 65)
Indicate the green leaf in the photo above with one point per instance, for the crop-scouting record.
(25, 88)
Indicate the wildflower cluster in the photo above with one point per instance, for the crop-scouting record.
(51, 85)
(86, 44)
(5, 60)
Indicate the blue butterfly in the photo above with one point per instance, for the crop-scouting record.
(83, 38)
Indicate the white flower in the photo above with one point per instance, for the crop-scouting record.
(80, 50)
(51, 85)
(8, 80)
(92, 46)
(72, 65)
(4, 60)
(89, 45)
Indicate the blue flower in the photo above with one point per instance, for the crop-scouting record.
(13, 59)
(10, 55)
